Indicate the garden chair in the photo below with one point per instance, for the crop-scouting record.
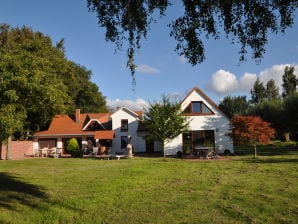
(94, 151)
(44, 152)
(209, 153)
(57, 153)
(36, 153)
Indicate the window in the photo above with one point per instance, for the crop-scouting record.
(124, 141)
(197, 107)
(124, 125)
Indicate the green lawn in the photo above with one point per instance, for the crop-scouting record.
(149, 190)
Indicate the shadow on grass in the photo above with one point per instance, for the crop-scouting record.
(14, 191)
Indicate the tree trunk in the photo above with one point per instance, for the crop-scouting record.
(8, 148)
(255, 148)
(0, 149)
(287, 136)
(163, 150)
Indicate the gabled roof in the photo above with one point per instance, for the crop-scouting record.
(63, 124)
(129, 111)
(205, 97)
(100, 118)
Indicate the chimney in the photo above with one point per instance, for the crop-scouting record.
(78, 115)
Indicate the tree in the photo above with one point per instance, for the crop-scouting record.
(272, 91)
(273, 111)
(39, 77)
(12, 118)
(73, 148)
(234, 105)
(245, 22)
(258, 92)
(290, 113)
(250, 130)
(289, 81)
(164, 121)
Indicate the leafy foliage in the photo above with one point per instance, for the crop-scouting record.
(245, 22)
(289, 81)
(164, 122)
(234, 105)
(272, 91)
(38, 80)
(291, 115)
(258, 92)
(272, 111)
(73, 148)
(250, 130)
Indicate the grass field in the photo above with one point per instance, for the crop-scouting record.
(239, 189)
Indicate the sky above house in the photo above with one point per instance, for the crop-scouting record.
(160, 69)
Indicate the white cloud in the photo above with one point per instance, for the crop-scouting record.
(142, 68)
(138, 104)
(224, 82)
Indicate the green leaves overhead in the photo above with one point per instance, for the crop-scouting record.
(245, 22)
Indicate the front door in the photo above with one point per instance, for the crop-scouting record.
(194, 140)
(149, 146)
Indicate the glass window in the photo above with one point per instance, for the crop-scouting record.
(124, 141)
(205, 109)
(197, 107)
(124, 125)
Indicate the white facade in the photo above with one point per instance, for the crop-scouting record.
(138, 143)
(216, 122)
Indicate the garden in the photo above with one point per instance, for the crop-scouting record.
(238, 189)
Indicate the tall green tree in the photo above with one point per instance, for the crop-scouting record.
(289, 81)
(290, 112)
(164, 121)
(245, 22)
(36, 75)
(234, 105)
(30, 66)
(273, 111)
(86, 94)
(272, 91)
(258, 92)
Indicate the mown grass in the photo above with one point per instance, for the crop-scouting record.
(148, 190)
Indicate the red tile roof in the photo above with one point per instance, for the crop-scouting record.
(65, 125)
(106, 134)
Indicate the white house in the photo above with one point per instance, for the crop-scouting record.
(208, 126)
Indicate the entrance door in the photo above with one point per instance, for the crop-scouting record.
(149, 146)
(194, 140)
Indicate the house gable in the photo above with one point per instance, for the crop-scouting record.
(197, 103)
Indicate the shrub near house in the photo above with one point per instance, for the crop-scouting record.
(73, 148)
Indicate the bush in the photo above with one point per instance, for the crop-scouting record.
(73, 148)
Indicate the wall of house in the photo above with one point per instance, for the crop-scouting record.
(217, 122)
(138, 142)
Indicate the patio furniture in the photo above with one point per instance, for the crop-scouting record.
(94, 151)
(57, 153)
(37, 153)
(43, 152)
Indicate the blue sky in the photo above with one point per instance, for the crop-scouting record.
(160, 69)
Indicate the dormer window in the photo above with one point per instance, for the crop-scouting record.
(124, 125)
(197, 107)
